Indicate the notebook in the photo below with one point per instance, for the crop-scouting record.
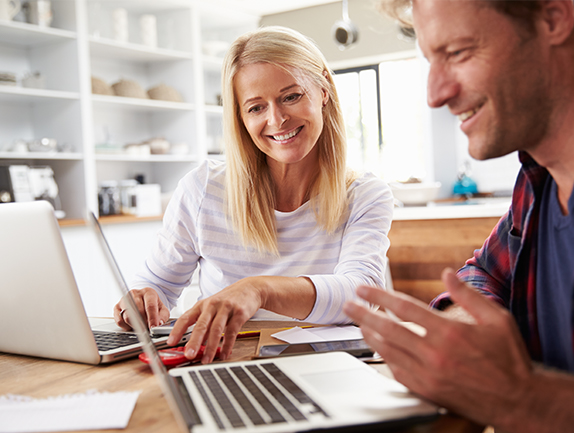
(328, 391)
(41, 311)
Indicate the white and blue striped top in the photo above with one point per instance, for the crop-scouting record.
(196, 231)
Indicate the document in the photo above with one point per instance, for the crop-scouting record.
(299, 335)
(91, 410)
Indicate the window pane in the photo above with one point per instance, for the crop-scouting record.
(358, 96)
(401, 117)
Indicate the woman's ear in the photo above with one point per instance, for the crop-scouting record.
(325, 96)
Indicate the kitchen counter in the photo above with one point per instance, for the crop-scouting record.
(473, 208)
(427, 239)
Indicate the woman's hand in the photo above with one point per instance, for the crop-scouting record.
(149, 305)
(223, 313)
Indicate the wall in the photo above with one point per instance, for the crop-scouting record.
(378, 35)
(130, 244)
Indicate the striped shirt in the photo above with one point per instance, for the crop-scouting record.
(196, 232)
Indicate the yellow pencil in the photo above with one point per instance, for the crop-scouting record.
(256, 333)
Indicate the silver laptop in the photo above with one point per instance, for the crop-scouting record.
(41, 312)
(329, 391)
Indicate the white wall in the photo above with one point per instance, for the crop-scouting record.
(377, 34)
(131, 244)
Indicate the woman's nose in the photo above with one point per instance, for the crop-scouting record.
(277, 116)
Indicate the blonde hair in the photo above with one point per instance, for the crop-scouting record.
(249, 188)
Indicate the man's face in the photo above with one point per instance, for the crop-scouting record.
(490, 73)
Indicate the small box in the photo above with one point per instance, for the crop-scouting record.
(147, 200)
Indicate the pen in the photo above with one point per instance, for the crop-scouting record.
(256, 333)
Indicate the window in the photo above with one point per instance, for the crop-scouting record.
(382, 105)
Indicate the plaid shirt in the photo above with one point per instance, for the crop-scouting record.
(505, 267)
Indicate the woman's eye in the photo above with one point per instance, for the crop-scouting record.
(293, 97)
(255, 109)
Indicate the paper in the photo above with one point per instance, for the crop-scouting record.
(91, 410)
(299, 335)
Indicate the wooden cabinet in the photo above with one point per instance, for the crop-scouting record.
(421, 249)
(92, 129)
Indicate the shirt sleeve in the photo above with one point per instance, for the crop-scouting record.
(174, 257)
(363, 252)
(490, 267)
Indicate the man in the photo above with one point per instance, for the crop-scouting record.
(506, 70)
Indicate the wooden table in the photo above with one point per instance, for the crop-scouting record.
(40, 378)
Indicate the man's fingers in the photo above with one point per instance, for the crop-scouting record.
(404, 306)
(477, 305)
(388, 330)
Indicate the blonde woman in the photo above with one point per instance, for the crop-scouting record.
(282, 227)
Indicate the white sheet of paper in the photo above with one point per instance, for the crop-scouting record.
(91, 410)
(299, 335)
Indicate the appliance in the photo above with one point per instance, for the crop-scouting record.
(344, 31)
(23, 183)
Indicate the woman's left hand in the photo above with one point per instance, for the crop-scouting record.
(223, 313)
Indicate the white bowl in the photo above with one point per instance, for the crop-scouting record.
(415, 193)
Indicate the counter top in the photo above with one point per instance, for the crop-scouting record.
(473, 208)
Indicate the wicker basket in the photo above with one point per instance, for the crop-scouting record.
(100, 87)
(164, 93)
(129, 89)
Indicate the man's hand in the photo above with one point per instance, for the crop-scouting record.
(149, 305)
(479, 370)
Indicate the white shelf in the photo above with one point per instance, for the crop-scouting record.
(146, 158)
(24, 94)
(63, 156)
(80, 46)
(24, 34)
(147, 105)
(127, 51)
(214, 109)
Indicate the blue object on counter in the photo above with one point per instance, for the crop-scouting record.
(465, 186)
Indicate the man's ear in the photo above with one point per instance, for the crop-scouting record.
(557, 20)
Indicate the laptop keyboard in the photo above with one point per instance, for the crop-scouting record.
(113, 340)
(253, 395)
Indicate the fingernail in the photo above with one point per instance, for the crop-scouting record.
(205, 359)
(361, 290)
(190, 353)
(161, 322)
(170, 340)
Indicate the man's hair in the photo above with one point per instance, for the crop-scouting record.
(523, 12)
(249, 188)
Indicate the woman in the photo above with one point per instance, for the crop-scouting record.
(282, 226)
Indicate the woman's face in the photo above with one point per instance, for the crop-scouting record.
(281, 111)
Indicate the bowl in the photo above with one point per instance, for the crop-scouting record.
(415, 193)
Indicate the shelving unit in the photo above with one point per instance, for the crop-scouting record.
(79, 45)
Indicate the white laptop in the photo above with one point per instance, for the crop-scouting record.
(329, 391)
(41, 312)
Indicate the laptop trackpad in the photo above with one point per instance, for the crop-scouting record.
(343, 381)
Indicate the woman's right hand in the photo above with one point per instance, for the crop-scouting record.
(149, 306)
